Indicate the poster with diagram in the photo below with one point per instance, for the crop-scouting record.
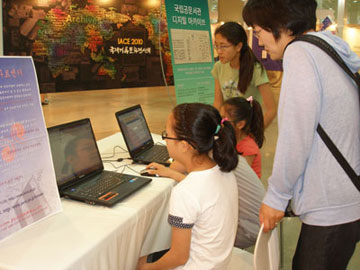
(28, 190)
(191, 46)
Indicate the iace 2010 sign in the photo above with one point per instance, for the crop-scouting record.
(130, 41)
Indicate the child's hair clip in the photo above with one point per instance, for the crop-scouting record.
(216, 137)
(250, 99)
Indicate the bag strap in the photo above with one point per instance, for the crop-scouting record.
(326, 47)
(339, 157)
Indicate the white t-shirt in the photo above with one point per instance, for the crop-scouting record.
(207, 202)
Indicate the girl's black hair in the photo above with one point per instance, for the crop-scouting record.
(235, 34)
(239, 108)
(298, 16)
(201, 125)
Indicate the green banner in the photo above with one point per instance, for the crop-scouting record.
(191, 50)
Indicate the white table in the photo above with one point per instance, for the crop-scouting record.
(95, 237)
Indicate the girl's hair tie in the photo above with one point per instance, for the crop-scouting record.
(217, 129)
(216, 137)
(223, 120)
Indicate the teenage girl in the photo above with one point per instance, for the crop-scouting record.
(247, 119)
(238, 72)
(203, 205)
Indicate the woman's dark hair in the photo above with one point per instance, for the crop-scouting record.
(298, 16)
(235, 34)
(201, 125)
(239, 108)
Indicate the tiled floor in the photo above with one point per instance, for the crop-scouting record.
(157, 102)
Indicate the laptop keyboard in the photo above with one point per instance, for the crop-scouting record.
(155, 154)
(104, 184)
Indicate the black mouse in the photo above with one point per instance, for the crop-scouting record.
(145, 172)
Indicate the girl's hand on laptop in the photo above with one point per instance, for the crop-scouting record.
(161, 170)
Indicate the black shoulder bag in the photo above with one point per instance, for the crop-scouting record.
(322, 44)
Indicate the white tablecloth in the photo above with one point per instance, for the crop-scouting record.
(96, 237)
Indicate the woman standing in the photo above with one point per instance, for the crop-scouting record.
(314, 90)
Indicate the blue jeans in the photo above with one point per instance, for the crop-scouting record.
(326, 247)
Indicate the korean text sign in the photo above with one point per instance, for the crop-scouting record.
(191, 50)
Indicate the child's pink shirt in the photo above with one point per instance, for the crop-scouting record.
(248, 147)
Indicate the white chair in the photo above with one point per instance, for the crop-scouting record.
(266, 255)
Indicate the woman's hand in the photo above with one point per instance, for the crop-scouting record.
(269, 217)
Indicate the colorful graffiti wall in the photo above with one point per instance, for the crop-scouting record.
(89, 44)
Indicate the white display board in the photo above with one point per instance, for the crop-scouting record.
(28, 190)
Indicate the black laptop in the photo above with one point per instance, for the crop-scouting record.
(138, 138)
(79, 170)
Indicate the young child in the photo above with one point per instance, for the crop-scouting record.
(250, 193)
(204, 205)
(247, 119)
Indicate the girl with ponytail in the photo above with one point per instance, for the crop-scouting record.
(247, 119)
(238, 72)
(203, 206)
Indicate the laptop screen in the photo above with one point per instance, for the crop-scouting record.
(134, 128)
(74, 151)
